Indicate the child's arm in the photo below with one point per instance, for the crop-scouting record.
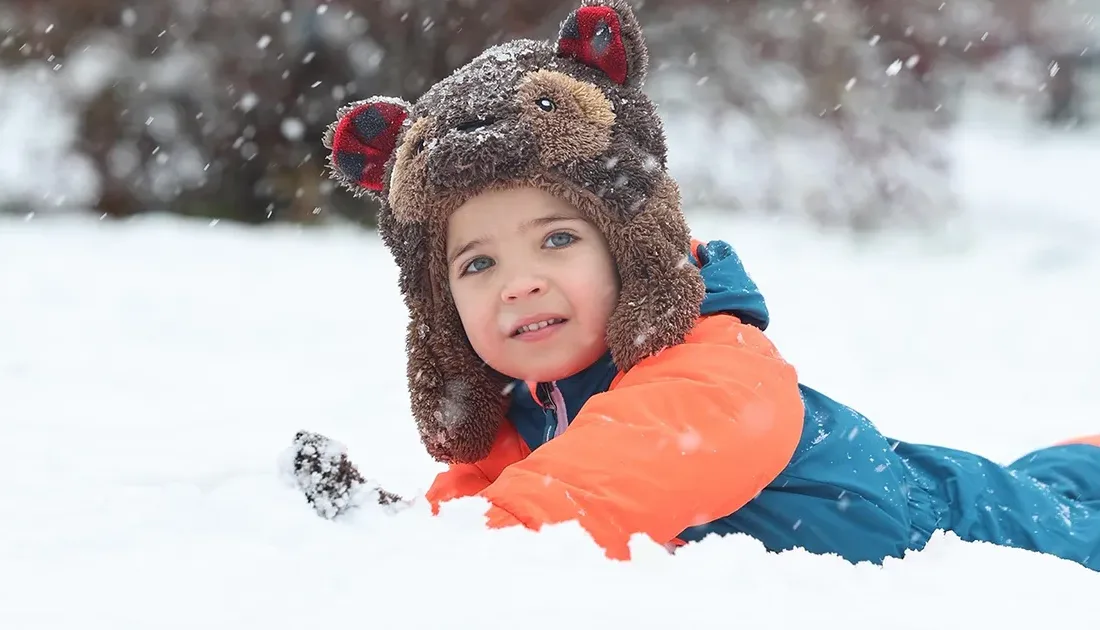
(465, 480)
(459, 480)
(686, 437)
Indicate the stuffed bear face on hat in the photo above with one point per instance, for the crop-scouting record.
(568, 116)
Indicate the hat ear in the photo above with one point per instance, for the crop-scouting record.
(604, 34)
(362, 140)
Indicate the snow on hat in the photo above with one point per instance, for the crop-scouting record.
(568, 116)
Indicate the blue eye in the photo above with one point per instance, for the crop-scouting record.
(481, 263)
(560, 239)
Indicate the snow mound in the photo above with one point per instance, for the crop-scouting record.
(153, 372)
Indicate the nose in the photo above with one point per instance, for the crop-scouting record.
(520, 287)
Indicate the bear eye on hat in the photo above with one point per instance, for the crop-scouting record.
(566, 115)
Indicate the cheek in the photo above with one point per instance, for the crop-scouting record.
(596, 292)
(473, 311)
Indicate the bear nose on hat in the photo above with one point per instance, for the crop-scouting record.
(478, 123)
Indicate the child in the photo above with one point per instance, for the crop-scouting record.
(574, 354)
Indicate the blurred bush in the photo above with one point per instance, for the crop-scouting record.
(215, 108)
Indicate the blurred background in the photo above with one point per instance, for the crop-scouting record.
(839, 111)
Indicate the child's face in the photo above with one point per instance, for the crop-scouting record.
(522, 256)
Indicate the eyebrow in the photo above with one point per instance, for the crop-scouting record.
(462, 250)
(533, 223)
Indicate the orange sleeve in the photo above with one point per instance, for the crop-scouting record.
(459, 480)
(685, 437)
(466, 480)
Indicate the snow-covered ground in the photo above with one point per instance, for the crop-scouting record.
(152, 372)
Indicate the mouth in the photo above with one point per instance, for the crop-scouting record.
(538, 325)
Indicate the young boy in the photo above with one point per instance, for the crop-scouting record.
(574, 354)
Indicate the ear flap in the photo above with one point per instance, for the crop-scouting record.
(362, 140)
(605, 35)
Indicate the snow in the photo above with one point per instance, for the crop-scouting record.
(153, 372)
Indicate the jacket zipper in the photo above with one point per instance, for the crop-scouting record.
(553, 409)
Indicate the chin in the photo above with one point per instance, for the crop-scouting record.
(536, 375)
(555, 371)
(545, 376)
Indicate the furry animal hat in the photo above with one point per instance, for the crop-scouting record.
(566, 115)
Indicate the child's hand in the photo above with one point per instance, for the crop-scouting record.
(321, 469)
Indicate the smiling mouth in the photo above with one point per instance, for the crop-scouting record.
(538, 325)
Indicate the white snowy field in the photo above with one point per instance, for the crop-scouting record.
(152, 372)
